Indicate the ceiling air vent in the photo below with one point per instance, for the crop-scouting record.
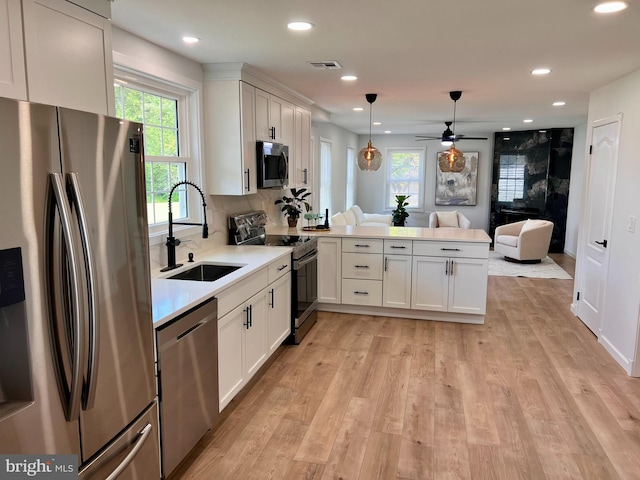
(328, 65)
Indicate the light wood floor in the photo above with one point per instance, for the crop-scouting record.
(528, 395)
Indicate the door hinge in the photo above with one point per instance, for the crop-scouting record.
(578, 296)
(590, 149)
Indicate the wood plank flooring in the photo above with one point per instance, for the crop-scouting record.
(528, 395)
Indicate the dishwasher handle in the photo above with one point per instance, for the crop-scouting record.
(191, 329)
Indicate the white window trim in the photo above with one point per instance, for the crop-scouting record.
(422, 177)
(188, 118)
(326, 184)
(351, 175)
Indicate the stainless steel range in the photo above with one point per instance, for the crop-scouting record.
(249, 229)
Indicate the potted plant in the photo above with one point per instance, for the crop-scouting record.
(400, 213)
(292, 205)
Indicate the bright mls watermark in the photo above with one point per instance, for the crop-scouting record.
(51, 467)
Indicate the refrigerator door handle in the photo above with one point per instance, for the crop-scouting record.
(143, 435)
(89, 393)
(71, 397)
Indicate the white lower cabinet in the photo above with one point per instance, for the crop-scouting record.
(279, 311)
(396, 281)
(250, 332)
(447, 284)
(329, 270)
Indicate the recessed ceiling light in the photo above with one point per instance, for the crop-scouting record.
(387, 131)
(506, 129)
(188, 39)
(506, 138)
(377, 123)
(358, 109)
(542, 131)
(541, 71)
(528, 120)
(348, 78)
(559, 104)
(299, 26)
(610, 7)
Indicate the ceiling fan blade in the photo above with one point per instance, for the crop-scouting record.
(464, 137)
(428, 137)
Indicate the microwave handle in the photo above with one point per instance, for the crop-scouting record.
(283, 173)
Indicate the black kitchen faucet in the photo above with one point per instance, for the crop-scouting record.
(172, 241)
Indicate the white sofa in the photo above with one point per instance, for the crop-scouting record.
(525, 241)
(356, 217)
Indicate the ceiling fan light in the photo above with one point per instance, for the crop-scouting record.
(446, 143)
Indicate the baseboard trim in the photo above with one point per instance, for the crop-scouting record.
(625, 363)
(402, 313)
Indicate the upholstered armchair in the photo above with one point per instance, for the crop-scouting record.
(448, 219)
(525, 241)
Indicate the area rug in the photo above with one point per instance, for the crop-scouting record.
(547, 268)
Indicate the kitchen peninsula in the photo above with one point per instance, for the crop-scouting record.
(410, 272)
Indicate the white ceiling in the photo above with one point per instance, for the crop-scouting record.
(411, 53)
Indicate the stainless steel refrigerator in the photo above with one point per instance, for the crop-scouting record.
(76, 335)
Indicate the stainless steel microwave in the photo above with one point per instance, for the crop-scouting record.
(273, 165)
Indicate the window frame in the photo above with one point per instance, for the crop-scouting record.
(421, 177)
(351, 186)
(515, 166)
(187, 111)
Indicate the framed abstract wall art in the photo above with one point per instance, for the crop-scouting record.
(457, 187)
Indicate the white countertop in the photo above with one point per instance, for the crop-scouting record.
(170, 298)
(398, 233)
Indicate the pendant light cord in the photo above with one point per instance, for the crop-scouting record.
(370, 104)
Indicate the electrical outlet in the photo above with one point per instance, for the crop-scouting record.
(631, 226)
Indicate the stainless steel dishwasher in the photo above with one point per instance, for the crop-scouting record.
(187, 381)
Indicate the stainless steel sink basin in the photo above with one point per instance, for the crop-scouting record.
(206, 272)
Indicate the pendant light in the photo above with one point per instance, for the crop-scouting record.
(452, 160)
(369, 158)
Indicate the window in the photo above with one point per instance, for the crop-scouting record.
(405, 176)
(511, 179)
(162, 111)
(351, 180)
(325, 175)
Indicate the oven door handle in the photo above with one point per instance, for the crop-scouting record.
(308, 258)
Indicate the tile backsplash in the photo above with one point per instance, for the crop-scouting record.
(222, 207)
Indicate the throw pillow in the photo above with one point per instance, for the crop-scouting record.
(350, 217)
(448, 219)
(531, 224)
(357, 211)
(338, 219)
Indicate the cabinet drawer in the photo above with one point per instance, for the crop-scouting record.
(451, 249)
(362, 292)
(233, 296)
(362, 265)
(279, 268)
(362, 245)
(398, 247)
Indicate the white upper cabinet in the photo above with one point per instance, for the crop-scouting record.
(302, 150)
(234, 123)
(69, 60)
(230, 142)
(13, 83)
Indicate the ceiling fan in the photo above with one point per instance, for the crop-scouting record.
(449, 136)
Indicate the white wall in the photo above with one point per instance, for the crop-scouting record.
(340, 140)
(370, 191)
(622, 298)
(576, 190)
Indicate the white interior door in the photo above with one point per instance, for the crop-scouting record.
(605, 136)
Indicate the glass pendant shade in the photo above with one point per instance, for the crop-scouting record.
(369, 158)
(452, 160)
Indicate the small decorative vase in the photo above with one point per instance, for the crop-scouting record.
(293, 222)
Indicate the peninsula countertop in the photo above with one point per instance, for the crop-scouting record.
(170, 298)
(475, 235)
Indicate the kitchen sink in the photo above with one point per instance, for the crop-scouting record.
(206, 272)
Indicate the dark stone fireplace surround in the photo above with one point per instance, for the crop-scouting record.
(546, 179)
